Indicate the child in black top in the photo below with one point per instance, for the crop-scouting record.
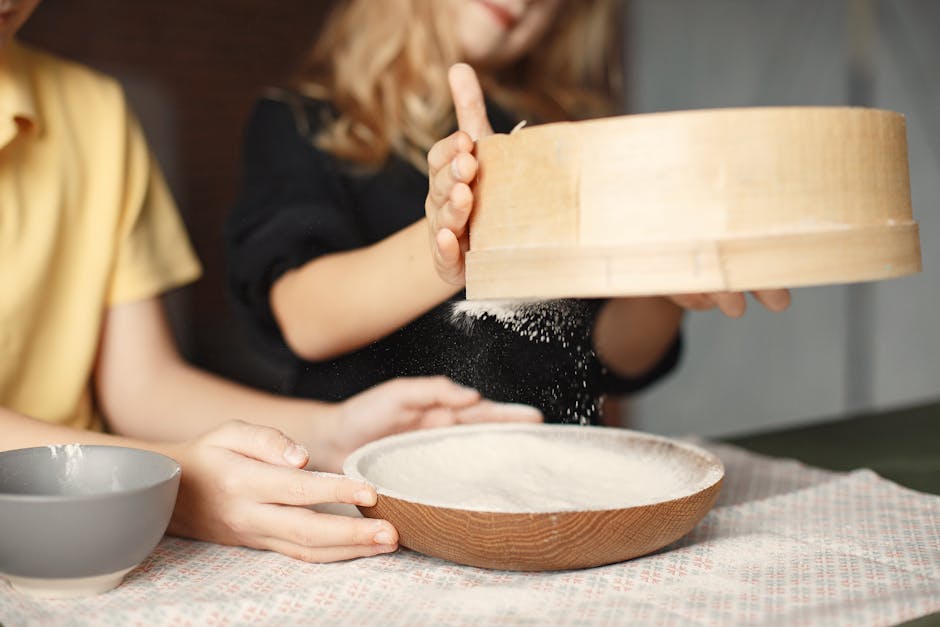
(329, 243)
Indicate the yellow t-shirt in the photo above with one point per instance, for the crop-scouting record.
(86, 222)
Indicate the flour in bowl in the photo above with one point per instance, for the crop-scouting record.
(73, 458)
(526, 473)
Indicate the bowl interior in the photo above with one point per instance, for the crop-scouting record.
(534, 468)
(537, 497)
(81, 470)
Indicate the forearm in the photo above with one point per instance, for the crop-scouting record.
(341, 302)
(21, 431)
(177, 402)
(632, 334)
(146, 390)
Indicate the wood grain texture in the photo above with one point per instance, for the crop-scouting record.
(540, 541)
(543, 214)
(728, 199)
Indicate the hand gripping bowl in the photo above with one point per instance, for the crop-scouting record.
(692, 201)
(74, 519)
(537, 497)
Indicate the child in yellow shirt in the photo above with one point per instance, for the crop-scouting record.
(89, 240)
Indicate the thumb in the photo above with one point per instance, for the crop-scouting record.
(468, 101)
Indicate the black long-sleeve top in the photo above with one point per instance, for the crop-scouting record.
(299, 203)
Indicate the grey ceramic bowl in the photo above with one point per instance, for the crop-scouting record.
(74, 519)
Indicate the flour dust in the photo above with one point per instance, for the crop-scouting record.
(517, 472)
(563, 323)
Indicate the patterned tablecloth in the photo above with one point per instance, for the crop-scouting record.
(786, 544)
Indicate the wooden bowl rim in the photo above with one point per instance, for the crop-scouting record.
(711, 478)
(707, 114)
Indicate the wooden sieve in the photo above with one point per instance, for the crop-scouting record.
(692, 201)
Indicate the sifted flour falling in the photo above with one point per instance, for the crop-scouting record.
(562, 323)
(539, 321)
(525, 473)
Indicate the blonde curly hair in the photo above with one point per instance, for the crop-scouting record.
(383, 67)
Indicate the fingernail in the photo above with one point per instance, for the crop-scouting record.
(454, 168)
(383, 537)
(295, 455)
(364, 497)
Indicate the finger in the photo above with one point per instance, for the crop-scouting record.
(437, 417)
(732, 304)
(455, 213)
(303, 527)
(426, 392)
(261, 443)
(449, 257)
(695, 302)
(444, 151)
(463, 167)
(490, 411)
(289, 486)
(322, 555)
(468, 101)
(774, 300)
(452, 200)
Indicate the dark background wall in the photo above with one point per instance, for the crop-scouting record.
(191, 69)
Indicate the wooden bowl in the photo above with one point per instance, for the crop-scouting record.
(521, 497)
(693, 201)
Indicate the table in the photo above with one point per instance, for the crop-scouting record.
(902, 445)
(787, 543)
